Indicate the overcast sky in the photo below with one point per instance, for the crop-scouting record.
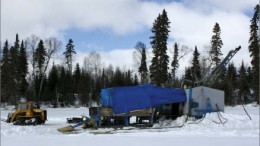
(112, 27)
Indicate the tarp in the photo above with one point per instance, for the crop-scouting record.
(125, 99)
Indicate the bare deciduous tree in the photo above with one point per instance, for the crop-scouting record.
(92, 63)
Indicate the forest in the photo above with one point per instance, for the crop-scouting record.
(29, 70)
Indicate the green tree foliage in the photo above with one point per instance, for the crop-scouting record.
(159, 63)
(216, 44)
(254, 51)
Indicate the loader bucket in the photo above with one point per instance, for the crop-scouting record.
(66, 129)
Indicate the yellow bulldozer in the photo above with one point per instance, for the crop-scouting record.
(27, 113)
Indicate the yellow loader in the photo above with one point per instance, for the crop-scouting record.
(27, 113)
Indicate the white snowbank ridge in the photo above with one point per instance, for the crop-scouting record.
(238, 130)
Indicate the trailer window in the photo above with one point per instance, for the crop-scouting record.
(22, 106)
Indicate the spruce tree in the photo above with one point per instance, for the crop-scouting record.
(40, 57)
(231, 84)
(196, 71)
(249, 77)
(243, 84)
(23, 70)
(53, 84)
(68, 54)
(6, 89)
(254, 51)
(85, 87)
(14, 51)
(68, 87)
(62, 85)
(215, 53)
(77, 78)
(136, 80)
(143, 71)
(187, 79)
(175, 63)
(14, 72)
(118, 78)
(128, 81)
(159, 63)
(104, 80)
(216, 44)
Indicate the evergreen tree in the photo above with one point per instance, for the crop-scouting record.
(6, 88)
(77, 78)
(249, 77)
(40, 57)
(68, 54)
(128, 78)
(143, 67)
(85, 87)
(23, 70)
(254, 51)
(69, 87)
(159, 63)
(215, 53)
(14, 72)
(136, 80)
(216, 44)
(196, 75)
(62, 90)
(104, 79)
(188, 73)
(243, 84)
(118, 78)
(53, 84)
(14, 51)
(231, 84)
(175, 63)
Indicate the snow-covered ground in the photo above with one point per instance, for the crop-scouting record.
(237, 131)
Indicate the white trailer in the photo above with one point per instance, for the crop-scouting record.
(202, 100)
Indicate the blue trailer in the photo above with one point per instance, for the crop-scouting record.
(143, 102)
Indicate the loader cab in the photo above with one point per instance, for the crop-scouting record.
(24, 109)
(22, 106)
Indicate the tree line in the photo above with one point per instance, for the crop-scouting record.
(28, 71)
